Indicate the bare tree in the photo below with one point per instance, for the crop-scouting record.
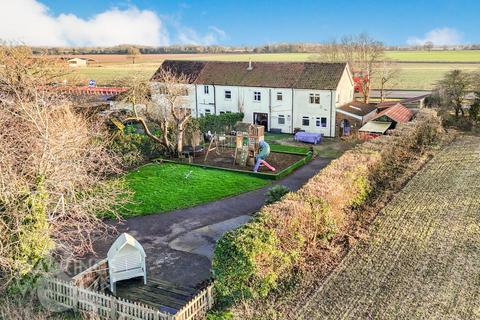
(54, 167)
(164, 106)
(428, 46)
(362, 53)
(387, 72)
(133, 53)
(453, 88)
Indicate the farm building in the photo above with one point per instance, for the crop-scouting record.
(283, 97)
(352, 116)
(78, 62)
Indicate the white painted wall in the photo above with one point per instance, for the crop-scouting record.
(314, 112)
(205, 101)
(281, 108)
(344, 92)
(242, 100)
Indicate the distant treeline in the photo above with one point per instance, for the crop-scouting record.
(270, 48)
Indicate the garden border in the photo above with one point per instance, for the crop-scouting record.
(307, 157)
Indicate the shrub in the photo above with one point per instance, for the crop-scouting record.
(287, 236)
(276, 193)
(133, 148)
(236, 263)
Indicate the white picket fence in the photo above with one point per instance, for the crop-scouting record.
(106, 306)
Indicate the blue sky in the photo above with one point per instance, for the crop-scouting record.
(231, 22)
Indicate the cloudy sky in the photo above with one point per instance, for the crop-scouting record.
(235, 22)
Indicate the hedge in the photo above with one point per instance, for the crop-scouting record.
(285, 237)
(221, 123)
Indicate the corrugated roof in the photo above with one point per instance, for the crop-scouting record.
(358, 108)
(301, 75)
(375, 127)
(397, 113)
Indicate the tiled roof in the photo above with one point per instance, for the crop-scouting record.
(397, 113)
(358, 108)
(300, 75)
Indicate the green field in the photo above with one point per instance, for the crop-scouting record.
(165, 187)
(436, 56)
(421, 75)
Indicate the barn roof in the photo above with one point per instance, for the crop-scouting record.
(358, 108)
(397, 113)
(300, 75)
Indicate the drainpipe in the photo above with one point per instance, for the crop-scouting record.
(270, 109)
(291, 121)
(196, 101)
(331, 104)
(214, 100)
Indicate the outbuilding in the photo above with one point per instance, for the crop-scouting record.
(352, 116)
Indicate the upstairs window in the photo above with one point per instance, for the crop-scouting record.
(228, 95)
(305, 121)
(314, 98)
(257, 96)
(281, 119)
(205, 89)
(279, 96)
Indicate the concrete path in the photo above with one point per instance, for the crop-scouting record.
(179, 244)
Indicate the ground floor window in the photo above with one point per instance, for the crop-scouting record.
(281, 119)
(207, 111)
(321, 122)
(305, 121)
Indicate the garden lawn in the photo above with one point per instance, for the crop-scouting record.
(167, 186)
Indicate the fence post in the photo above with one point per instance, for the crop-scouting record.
(75, 298)
(210, 296)
(113, 309)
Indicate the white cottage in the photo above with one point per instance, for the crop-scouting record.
(282, 96)
(126, 260)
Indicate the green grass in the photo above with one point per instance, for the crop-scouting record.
(288, 148)
(165, 187)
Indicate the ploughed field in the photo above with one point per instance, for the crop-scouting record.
(422, 258)
(224, 159)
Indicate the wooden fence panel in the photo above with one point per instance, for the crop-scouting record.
(110, 307)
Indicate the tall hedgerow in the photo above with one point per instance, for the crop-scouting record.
(288, 236)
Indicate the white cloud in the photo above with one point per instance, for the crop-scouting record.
(439, 37)
(190, 36)
(31, 22)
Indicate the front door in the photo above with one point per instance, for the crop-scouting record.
(261, 119)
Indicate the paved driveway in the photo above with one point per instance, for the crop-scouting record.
(179, 244)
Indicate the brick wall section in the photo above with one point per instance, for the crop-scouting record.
(355, 123)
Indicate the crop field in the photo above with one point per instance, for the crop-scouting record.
(108, 68)
(436, 56)
(422, 258)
